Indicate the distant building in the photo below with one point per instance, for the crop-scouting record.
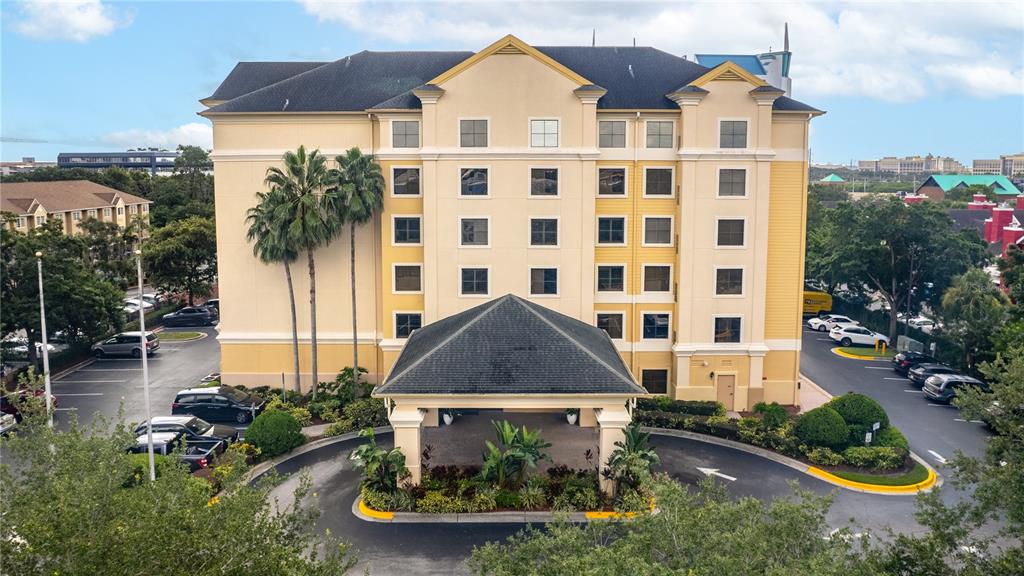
(772, 67)
(71, 201)
(999, 224)
(154, 162)
(832, 178)
(937, 186)
(911, 164)
(987, 167)
(27, 164)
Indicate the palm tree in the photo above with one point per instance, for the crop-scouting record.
(270, 245)
(302, 182)
(355, 197)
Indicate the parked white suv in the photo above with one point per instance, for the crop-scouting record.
(849, 335)
(829, 321)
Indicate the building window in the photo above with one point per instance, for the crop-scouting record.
(473, 133)
(405, 323)
(732, 182)
(133, 209)
(731, 233)
(76, 215)
(474, 281)
(611, 182)
(657, 231)
(612, 134)
(658, 182)
(408, 278)
(474, 182)
(612, 324)
(474, 232)
(106, 212)
(733, 134)
(611, 230)
(729, 282)
(659, 134)
(40, 220)
(120, 210)
(407, 230)
(544, 281)
(656, 326)
(21, 223)
(657, 278)
(145, 208)
(727, 329)
(543, 232)
(405, 134)
(92, 213)
(543, 181)
(406, 182)
(543, 133)
(655, 381)
(611, 279)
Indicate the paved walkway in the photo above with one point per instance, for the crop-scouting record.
(811, 395)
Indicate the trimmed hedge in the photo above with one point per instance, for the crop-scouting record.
(691, 407)
(822, 426)
(874, 457)
(860, 413)
(711, 425)
(274, 433)
(892, 438)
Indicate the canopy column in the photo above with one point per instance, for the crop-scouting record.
(611, 421)
(406, 421)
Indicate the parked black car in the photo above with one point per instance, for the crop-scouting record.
(922, 372)
(904, 361)
(218, 403)
(194, 428)
(196, 453)
(192, 316)
(943, 387)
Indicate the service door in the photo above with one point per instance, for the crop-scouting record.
(726, 389)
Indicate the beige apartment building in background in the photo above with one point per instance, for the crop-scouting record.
(31, 204)
(633, 189)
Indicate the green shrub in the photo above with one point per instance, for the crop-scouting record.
(781, 439)
(860, 413)
(376, 500)
(324, 404)
(692, 407)
(508, 499)
(772, 415)
(300, 414)
(532, 497)
(366, 413)
(342, 426)
(824, 457)
(822, 427)
(139, 473)
(576, 499)
(875, 457)
(274, 433)
(892, 438)
(632, 501)
(436, 502)
(403, 501)
(484, 501)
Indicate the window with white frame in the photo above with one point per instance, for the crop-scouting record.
(543, 232)
(611, 134)
(732, 182)
(133, 209)
(543, 281)
(611, 278)
(659, 134)
(611, 322)
(76, 215)
(106, 212)
(145, 208)
(21, 222)
(611, 181)
(654, 381)
(657, 278)
(473, 133)
(120, 210)
(729, 282)
(657, 181)
(611, 230)
(656, 326)
(406, 322)
(731, 233)
(40, 220)
(408, 278)
(544, 133)
(407, 230)
(92, 213)
(543, 181)
(657, 230)
(405, 134)
(733, 134)
(406, 182)
(474, 232)
(727, 329)
(474, 282)
(473, 182)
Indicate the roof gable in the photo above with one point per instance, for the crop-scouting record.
(749, 62)
(509, 45)
(1000, 184)
(729, 71)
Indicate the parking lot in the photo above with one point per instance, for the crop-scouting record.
(107, 384)
(935, 431)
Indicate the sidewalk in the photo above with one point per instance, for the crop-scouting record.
(811, 395)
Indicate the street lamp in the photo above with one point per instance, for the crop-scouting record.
(46, 352)
(144, 347)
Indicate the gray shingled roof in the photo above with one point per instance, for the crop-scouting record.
(634, 77)
(509, 346)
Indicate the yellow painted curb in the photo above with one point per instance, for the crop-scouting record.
(839, 352)
(375, 513)
(606, 514)
(922, 485)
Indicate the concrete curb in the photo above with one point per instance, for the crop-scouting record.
(839, 352)
(200, 337)
(367, 514)
(933, 477)
(264, 467)
(71, 369)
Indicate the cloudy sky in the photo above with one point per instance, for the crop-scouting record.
(895, 78)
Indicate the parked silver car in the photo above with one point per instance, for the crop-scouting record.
(126, 344)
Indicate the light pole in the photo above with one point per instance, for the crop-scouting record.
(46, 352)
(144, 347)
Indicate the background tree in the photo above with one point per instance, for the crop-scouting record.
(301, 181)
(182, 256)
(355, 198)
(192, 167)
(972, 307)
(966, 193)
(109, 248)
(820, 264)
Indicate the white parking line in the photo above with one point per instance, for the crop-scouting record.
(940, 405)
(912, 391)
(938, 457)
(897, 379)
(108, 369)
(877, 367)
(971, 421)
(88, 381)
(824, 339)
(63, 409)
(82, 394)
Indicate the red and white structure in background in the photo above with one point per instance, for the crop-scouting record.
(1001, 226)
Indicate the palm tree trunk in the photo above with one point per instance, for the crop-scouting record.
(355, 332)
(295, 326)
(312, 317)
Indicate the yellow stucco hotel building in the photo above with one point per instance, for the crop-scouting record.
(659, 199)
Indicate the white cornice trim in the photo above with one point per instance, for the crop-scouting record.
(713, 349)
(760, 154)
(256, 155)
(790, 345)
(304, 338)
(392, 344)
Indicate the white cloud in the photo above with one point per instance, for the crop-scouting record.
(74, 20)
(193, 133)
(886, 51)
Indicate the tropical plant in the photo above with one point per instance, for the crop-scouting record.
(972, 307)
(269, 237)
(382, 469)
(354, 198)
(301, 181)
(517, 450)
(629, 465)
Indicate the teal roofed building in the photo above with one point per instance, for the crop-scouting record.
(938, 185)
(833, 177)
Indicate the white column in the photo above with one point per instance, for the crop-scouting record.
(406, 420)
(611, 421)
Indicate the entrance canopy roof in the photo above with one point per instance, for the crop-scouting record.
(509, 346)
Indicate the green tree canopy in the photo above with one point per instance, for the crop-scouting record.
(182, 256)
(973, 307)
(109, 248)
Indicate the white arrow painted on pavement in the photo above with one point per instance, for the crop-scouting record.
(715, 472)
(937, 456)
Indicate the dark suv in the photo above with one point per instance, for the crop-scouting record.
(904, 361)
(218, 403)
(918, 374)
(192, 316)
(943, 387)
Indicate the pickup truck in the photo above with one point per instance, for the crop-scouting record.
(196, 453)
